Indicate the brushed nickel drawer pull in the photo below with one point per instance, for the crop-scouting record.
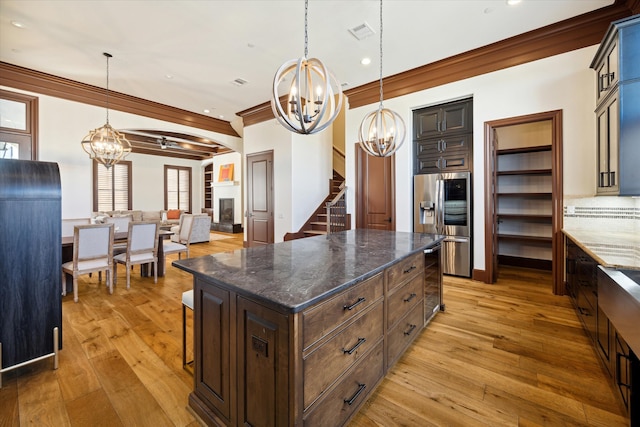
(352, 306)
(353, 398)
(352, 349)
(412, 327)
(412, 296)
(410, 269)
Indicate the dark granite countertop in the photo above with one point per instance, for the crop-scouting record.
(290, 276)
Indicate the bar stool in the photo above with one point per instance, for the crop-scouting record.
(187, 302)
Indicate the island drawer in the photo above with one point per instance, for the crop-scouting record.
(323, 318)
(404, 333)
(326, 363)
(404, 270)
(348, 395)
(404, 299)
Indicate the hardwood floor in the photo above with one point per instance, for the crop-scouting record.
(509, 354)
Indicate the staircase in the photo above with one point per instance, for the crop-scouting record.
(331, 216)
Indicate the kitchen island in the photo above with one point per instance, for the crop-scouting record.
(301, 332)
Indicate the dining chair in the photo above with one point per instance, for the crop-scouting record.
(92, 251)
(184, 235)
(142, 248)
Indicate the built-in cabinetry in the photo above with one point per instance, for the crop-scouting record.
(443, 137)
(584, 279)
(617, 66)
(208, 190)
(259, 365)
(524, 194)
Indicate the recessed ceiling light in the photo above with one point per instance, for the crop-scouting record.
(365, 61)
(513, 2)
(168, 76)
(17, 24)
(206, 110)
(221, 116)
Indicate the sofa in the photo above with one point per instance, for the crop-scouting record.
(122, 217)
(199, 232)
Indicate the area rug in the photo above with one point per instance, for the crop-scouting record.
(216, 236)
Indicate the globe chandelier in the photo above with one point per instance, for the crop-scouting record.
(314, 99)
(105, 144)
(382, 131)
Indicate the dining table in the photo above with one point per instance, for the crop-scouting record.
(118, 237)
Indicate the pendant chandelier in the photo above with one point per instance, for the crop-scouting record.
(382, 131)
(315, 96)
(105, 144)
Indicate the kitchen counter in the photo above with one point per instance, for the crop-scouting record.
(610, 249)
(290, 276)
(302, 332)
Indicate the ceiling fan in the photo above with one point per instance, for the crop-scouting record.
(165, 143)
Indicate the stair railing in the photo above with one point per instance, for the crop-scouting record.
(337, 211)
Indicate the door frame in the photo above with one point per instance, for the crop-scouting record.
(557, 248)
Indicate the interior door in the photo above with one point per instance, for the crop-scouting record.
(375, 195)
(260, 198)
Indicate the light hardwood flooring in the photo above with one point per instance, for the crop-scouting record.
(508, 354)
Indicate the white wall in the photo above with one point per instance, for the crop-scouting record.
(63, 124)
(563, 82)
(302, 168)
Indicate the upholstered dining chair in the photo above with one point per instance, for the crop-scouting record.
(184, 234)
(142, 248)
(92, 251)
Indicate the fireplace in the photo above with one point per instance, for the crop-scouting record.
(226, 211)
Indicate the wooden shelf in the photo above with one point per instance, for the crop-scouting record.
(525, 238)
(525, 216)
(524, 150)
(525, 172)
(544, 195)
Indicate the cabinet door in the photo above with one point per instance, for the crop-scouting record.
(212, 349)
(456, 118)
(427, 122)
(263, 358)
(447, 119)
(444, 154)
(623, 369)
(603, 338)
(607, 142)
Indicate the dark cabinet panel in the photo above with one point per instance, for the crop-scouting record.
(212, 326)
(30, 260)
(445, 154)
(446, 119)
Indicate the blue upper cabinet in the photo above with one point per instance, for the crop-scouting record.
(617, 67)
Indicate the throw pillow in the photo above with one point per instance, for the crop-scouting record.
(173, 214)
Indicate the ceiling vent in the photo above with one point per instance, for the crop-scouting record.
(239, 82)
(362, 31)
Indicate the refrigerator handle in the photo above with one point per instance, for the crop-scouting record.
(440, 191)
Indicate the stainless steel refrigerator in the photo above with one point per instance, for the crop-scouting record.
(442, 205)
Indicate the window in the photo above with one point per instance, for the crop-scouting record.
(18, 126)
(177, 188)
(112, 187)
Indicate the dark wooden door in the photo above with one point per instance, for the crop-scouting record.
(375, 195)
(260, 198)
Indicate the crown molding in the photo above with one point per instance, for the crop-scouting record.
(561, 37)
(564, 36)
(47, 84)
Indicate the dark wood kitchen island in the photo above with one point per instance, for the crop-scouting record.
(301, 332)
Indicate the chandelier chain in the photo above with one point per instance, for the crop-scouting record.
(381, 95)
(306, 38)
(108, 56)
